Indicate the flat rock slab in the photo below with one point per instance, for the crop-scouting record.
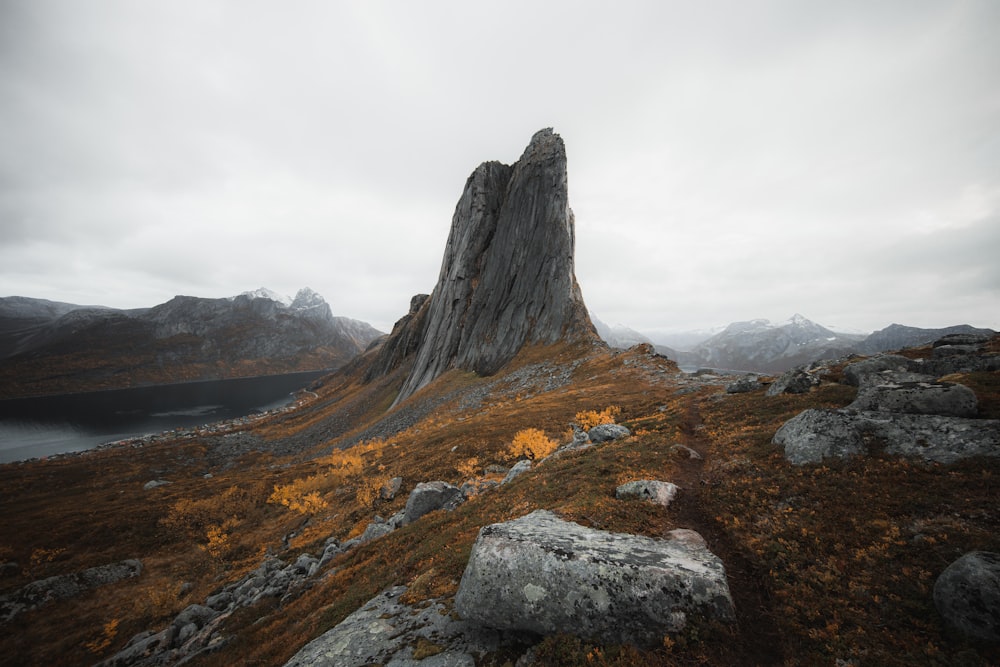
(384, 631)
(544, 575)
(814, 435)
(917, 397)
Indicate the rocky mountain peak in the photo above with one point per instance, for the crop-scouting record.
(507, 277)
(307, 298)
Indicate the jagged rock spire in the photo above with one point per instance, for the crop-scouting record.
(507, 277)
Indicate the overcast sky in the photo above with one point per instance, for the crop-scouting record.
(727, 160)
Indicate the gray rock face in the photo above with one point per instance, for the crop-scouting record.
(922, 398)
(605, 432)
(427, 497)
(384, 630)
(507, 277)
(661, 493)
(545, 575)
(814, 435)
(967, 595)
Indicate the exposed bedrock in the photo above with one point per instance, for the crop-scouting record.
(507, 278)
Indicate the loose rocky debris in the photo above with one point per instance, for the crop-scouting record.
(65, 586)
(544, 575)
(967, 595)
(661, 493)
(197, 629)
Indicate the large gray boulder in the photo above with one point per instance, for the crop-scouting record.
(853, 373)
(427, 497)
(917, 397)
(606, 432)
(541, 574)
(507, 278)
(814, 435)
(967, 595)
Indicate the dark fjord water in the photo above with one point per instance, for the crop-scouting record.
(39, 427)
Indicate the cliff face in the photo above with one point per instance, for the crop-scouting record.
(507, 278)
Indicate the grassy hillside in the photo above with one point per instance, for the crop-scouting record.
(825, 563)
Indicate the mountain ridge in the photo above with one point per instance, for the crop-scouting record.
(59, 348)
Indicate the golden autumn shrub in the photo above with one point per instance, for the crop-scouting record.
(588, 419)
(531, 443)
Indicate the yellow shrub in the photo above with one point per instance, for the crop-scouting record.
(302, 495)
(370, 489)
(531, 443)
(468, 467)
(195, 516)
(218, 544)
(102, 642)
(588, 419)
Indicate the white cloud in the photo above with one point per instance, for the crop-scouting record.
(727, 161)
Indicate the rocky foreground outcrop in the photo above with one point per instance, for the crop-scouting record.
(507, 278)
(543, 575)
(904, 407)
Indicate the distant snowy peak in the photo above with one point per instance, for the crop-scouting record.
(305, 299)
(265, 293)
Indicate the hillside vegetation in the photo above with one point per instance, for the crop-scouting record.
(828, 564)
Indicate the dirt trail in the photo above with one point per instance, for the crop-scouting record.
(761, 643)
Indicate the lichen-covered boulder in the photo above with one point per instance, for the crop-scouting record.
(661, 493)
(814, 435)
(922, 398)
(967, 595)
(541, 574)
(427, 497)
(854, 373)
(605, 432)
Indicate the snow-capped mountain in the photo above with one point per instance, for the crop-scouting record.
(759, 345)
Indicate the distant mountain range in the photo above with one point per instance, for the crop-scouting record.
(51, 347)
(760, 346)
